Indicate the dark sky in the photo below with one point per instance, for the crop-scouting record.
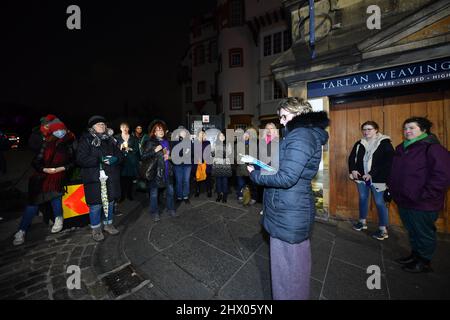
(126, 53)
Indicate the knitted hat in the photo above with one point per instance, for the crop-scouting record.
(50, 124)
(94, 120)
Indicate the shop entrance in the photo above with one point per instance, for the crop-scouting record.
(389, 113)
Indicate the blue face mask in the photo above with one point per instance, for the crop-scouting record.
(59, 134)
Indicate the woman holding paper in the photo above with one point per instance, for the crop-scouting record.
(289, 207)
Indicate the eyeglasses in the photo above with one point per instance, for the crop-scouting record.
(368, 129)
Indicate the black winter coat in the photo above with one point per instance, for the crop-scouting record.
(157, 176)
(89, 159)
(381, 160)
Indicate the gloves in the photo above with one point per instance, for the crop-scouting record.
(109, 160)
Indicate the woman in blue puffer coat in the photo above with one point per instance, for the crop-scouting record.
(289, 206)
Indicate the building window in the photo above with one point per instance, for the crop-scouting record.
(199, 58)
(287, 40)
(236, 58)
(277, 91)
(188, 95)
(201, 87)
(237, 101)
(237, 13)
(277, 43)
(267, 45)
(268, 90)
(272, 91)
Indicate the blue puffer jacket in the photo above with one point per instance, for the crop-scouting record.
(289, 207)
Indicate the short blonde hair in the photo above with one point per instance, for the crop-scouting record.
(295, 105)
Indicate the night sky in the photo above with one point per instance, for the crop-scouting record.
(122, 63)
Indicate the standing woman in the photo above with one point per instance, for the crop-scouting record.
(47, 183)
(98, 153)
(418, 183)
(369, 166)
(221, 167)
(182, 170)
(161, 176)
(289, 207)
(129, 146)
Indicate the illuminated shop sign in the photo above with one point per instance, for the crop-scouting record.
(380, 79)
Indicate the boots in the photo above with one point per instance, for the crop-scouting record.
(197, 189)
(224, 198)
(219, 197)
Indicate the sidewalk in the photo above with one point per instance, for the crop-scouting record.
(211, 251)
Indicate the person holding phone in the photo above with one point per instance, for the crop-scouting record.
(369, 166)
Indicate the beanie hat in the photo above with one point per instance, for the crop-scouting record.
(94, 120)
(50, 124)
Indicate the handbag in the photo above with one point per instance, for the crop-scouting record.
(147, 168)
(221, 170)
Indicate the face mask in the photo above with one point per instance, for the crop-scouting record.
(59, 134)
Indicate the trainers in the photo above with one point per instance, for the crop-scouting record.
(252, 202)
(173, 213)
(58, 225)
(110, 229)
(261, 212)
(380, 235)
(156, 217)
(19, 238)
(359, 226)
(240, 199)
(97, 234)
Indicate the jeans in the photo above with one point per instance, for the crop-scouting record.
(96, 214)
(421, 230)
(241, 182)
(154, 198)
(182, 180)
(364, 192)
(222, 185)
(31, 211)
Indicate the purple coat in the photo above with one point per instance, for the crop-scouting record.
(420, 175)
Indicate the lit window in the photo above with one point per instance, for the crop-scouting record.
(237, 101)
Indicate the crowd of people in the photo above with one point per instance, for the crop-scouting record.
(416, 174)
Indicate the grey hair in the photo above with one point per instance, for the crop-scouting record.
(295, 105)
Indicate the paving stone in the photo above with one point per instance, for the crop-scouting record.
(57, 269)
(41, 271)
(204, 262)
(59, 282)
(46, 257)
(236, 239)
(148, 293)
(174, 281)
(76, 252)
(137, 248)
(41, 295)
(30, 282)
(251, 282)
(79, 293)
(61, 294)
(89, 250)
(86, 262)
(320, 256)
(358, 254)
(345, 281)
(98, 290)
(89, 275)
(39, 287)
(422, 286)
(315, 289)
(60, 258)
(15, 296)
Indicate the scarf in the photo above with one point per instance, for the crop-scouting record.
(407, 143)
(98, 137)
(165, 144)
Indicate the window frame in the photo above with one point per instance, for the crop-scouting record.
(236, 94)
(232, 52)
